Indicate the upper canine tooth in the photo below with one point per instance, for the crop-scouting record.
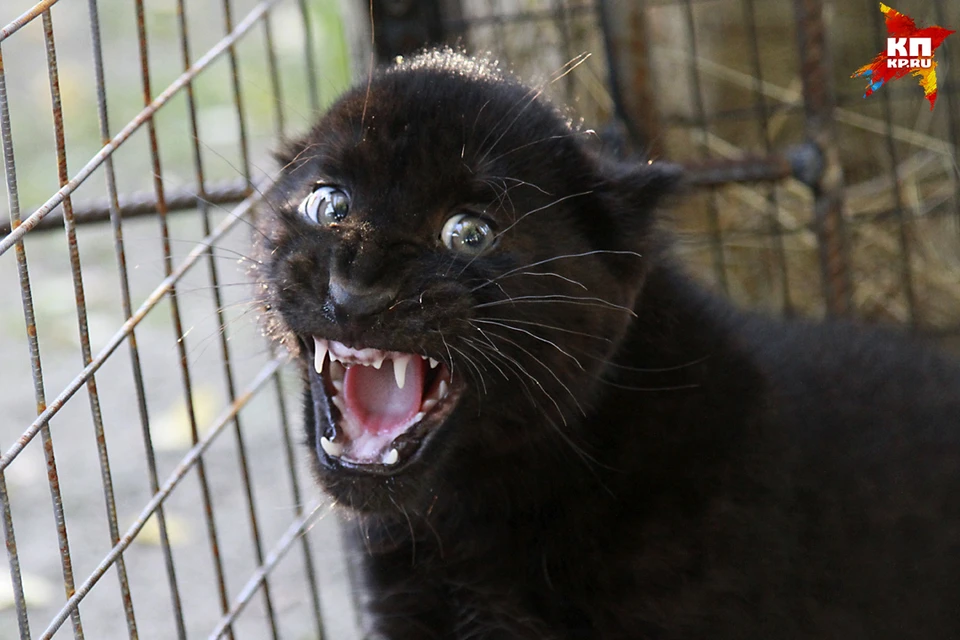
(400, 369)
(331, 448)
(321, 346)
(433, 363)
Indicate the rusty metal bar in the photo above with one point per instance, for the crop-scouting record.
(26, 295)
(716, 172)
(763, 114)
(139, 204)
(113, 206)
(820, 129)
(26, 18)
(630, 78)
(73, 251)
(176, 317)
(9, 535)
(259, 578)
(311, 66)
(948, 88)
(107, 150)
(13, 561)
(191, 460)
(292, 463)
(223, 334)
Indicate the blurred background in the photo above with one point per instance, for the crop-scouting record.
(803, 198)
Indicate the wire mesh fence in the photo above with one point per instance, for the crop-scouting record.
(150, 480)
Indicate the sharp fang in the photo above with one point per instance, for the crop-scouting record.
(392, 457)
(321, 346)
(378, 363)
(331, 448)
(442, 388)
(400, 370)
(433, 363)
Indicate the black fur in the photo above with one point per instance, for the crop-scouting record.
(682, 470)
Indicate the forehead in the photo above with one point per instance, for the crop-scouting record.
(453, 127)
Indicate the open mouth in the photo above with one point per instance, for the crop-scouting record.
(383, 404)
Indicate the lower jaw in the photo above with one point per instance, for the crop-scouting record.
(324, 417)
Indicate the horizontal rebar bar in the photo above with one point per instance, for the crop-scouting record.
(142, 203)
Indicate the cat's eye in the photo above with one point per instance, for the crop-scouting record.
(326, 205)
(466, 234)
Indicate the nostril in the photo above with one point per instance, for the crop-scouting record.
(360, 301)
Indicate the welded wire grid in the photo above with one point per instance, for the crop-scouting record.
(204, 509)
(814, 200)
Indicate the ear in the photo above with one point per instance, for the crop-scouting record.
(289, 151)
(639, 187)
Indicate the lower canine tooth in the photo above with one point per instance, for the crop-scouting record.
(392, 457)
(331, 448)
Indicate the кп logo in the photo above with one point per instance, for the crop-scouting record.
(909, 51)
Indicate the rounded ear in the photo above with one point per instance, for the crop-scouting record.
(640, 186)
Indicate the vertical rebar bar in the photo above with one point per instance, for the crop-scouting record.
(33, 342)
(713, 210)
(763, 114)
(310, 66)
(951, 86)
(120, 252)
(819, 104)
(73, 250)
(906, 279)
(13, 561)
(205, 492)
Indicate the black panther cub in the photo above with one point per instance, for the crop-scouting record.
(547, 431)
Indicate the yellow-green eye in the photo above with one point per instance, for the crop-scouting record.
(466, 234)
(326, 205)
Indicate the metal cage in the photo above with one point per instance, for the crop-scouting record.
(804, 198)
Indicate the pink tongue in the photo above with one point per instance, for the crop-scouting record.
(375, 401)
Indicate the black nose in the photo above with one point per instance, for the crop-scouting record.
(352, 300)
